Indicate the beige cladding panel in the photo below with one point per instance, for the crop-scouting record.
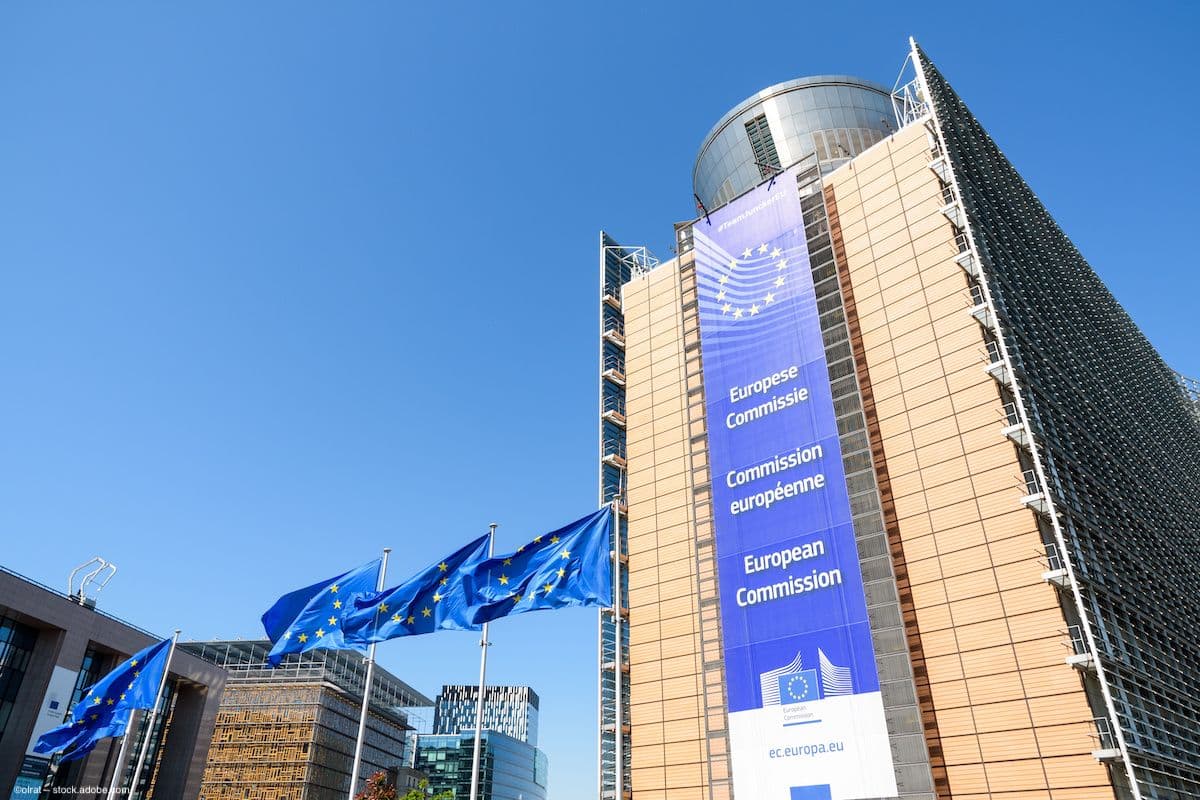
(665, 690)
(1011, 718)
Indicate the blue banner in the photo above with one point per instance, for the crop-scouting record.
(803, 692)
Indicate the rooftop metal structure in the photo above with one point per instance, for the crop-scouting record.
(246, 662)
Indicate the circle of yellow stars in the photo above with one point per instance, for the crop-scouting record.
(104, 702)
(738, 312)
(545, 589)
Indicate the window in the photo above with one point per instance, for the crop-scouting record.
(763, 145)
(16, 645)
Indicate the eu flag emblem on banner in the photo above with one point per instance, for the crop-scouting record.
(108, 704)
(311, 618)
(799, 687)
(433, 599)
(571, 566)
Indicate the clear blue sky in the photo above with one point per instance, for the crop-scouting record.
(282, 283)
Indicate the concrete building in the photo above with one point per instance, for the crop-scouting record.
(289, 733)
(52, 647)
(1013, 467)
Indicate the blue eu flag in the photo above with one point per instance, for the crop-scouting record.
(799, 687)
(311, 618)
(433, 599)
(107, 705)
(571, 566)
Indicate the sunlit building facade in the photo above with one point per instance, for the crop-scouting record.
(1021, 478)
(289, 732)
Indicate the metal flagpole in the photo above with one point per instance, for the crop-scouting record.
(366, 701)
(619, 737)
(137, 771)
(484, 644)
(120, 765)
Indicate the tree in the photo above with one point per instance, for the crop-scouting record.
(378, 788)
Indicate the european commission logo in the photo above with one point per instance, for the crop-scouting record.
(799, 687)
(791, 683)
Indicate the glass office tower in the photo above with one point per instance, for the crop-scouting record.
(1021, 475)
(509, 768)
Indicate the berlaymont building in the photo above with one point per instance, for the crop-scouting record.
(911, 507)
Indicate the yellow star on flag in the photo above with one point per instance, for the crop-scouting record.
(770, 298)
(737, 313)
(537, 540)
(110, 701)
(548, 587)
(444, 581)
(332, 621)
(443, 566)
(437, 598)
(425, 612)
(503, 580)
(779, 281)
(334, 588)
(565, 554)
(133, 663)
(553, 540)
(320, 632)
(303, 638)
(516, 598)
(776, 253)
(337, 604)
(383, 607)
(97, 701)
(396, 617)
(507, 562)
(561, 572)
(411, 619)
(747, 253)
(122, 695)
(782, 263)
(753, 310)
(762, 248)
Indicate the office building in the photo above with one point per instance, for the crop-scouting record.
(509, 769)
(511, 710)
(911, 504)
(511, 765)
(288, 733)
(53, 646)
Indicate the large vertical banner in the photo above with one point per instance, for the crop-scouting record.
(806, 717)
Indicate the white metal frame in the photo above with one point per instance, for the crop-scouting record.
(1043, 483)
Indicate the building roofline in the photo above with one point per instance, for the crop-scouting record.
(778, 89)
(72, 600)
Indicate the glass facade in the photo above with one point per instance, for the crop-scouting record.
(16, 646)
(288, 733)
(509, 768)
(1117, 444)
(834, 117)
(617, 264)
